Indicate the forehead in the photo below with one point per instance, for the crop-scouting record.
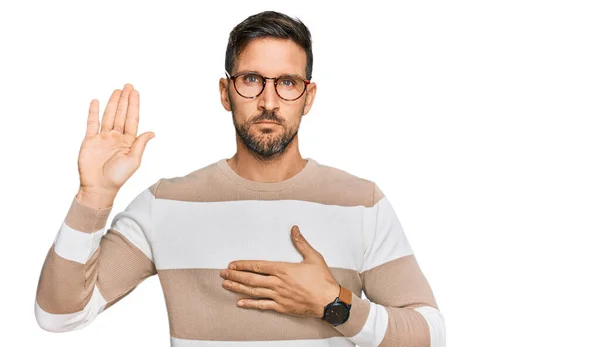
(272, 57)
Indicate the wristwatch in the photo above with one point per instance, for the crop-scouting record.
(338, 311)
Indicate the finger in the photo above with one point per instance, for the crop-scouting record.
(122, 107)
(108, 117)
(261, 304)
(302, 244)
(258, 266)
(258, 292)
(133, 113)
(92, 120)
(251, 279)
(139, 145)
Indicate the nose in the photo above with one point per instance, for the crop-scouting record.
(268, 99)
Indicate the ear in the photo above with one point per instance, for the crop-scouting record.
(311, 91)
(223, 88)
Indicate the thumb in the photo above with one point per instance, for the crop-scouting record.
(139, 144)
(301, 244)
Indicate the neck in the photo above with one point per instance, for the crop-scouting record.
(279, 168)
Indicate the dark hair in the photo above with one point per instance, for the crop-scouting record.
(268, 24)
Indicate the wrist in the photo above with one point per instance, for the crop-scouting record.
(95, 198)
(330, 294)
(338, 310)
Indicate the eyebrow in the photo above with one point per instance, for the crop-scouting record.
(258, 73)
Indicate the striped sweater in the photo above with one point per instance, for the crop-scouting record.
(186, 229)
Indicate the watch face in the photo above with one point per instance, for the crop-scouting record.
(337, 313)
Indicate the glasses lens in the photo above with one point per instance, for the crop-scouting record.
(290, 87)
(249, 85)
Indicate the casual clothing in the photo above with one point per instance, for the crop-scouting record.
(186, 229)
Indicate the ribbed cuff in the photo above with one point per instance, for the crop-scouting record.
(85, 218)
(359, 311)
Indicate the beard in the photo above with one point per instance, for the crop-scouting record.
(270, 142)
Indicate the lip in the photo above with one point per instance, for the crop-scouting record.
(267, 122)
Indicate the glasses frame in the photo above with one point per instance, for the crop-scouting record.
(275, 81)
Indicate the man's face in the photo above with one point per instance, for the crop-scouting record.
(268, 57)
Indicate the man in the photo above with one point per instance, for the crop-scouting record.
(305, 238)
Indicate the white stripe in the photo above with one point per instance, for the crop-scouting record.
(76, 245)
(212, 234)
(375, 327)
(337, 341)
(135, 223)
(385, 238)
(71, 321)
(132, 232)
(437, 326)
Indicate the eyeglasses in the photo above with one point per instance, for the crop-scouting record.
(250, 85)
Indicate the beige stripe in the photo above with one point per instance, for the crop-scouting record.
(307, 169)
(400, 286)
(200, 308)
(117, 299)
(154, 187)
(116, 267)
(406, 328)
(324, 184)
(86, 219)
(377, 194)
(398, 283)
(122, 267)
(359, 312)
(62, 285)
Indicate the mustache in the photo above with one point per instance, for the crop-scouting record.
(268, 115)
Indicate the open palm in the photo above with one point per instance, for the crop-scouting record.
(109, 157)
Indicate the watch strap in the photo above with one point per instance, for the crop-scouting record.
(345, 295)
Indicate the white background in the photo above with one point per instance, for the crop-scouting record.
(478, 119)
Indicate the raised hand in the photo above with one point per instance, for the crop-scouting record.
(108, 158)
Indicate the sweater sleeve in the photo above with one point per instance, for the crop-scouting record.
(400, 308)
(86, 270)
